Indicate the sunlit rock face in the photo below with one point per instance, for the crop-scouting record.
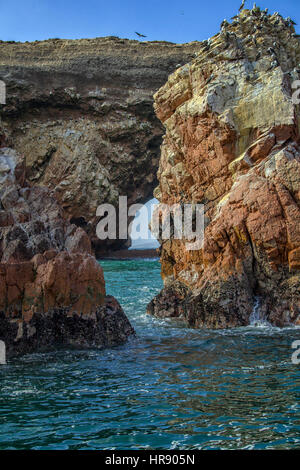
(232, 143)
(52, 290)
(82, 114)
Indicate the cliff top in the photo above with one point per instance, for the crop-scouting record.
(57, 50)
(105, 62)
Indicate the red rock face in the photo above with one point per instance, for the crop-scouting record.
(232, 144)
(52, 290)
(52, 280)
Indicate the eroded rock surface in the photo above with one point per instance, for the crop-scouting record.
(82, 114)
(52, 290)
(232, 144)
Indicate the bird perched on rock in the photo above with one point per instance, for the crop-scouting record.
(276, 18)
(206, 45)
(242, 5)
(140, 35)
(210, 79)
(225, 34)
(256, 10)
(274, 64)
(290, 21)
(224, 24)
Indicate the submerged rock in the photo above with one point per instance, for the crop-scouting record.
(52, 290)
(232, 144)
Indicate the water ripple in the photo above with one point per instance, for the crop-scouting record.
(171, 388)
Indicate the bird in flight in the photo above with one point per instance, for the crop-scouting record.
(140, 35)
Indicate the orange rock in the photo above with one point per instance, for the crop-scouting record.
(232, 144)
(52, 290)
(294, 260)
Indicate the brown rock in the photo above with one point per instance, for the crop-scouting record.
(52, 290)
(92, 117)
(232, 144)
(78, 241)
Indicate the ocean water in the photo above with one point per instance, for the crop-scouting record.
(171, 388)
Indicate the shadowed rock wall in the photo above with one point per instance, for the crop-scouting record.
(81, 111)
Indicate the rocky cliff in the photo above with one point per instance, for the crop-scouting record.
(78, 129)
(232, 143)
(81, 111)
(52, 290)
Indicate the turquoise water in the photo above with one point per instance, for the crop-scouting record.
(171, 388)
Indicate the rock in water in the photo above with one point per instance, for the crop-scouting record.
(232, 144)
(52, 290)
(105, 325)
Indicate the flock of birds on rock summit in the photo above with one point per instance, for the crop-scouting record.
(255, 33)
(256, 11)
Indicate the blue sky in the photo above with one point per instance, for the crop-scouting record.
(170, 20)
(140, 226)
